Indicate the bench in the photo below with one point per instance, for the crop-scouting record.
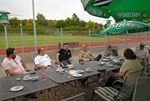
(71, 44)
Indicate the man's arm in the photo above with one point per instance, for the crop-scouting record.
(70, 57)
(145, 57)
(107, 54)
(39, 66)
(12, 73)
(80, 56)
(23, 64)
(57, 57)
(53, 64)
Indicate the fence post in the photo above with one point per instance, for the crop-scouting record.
(109, 38)
(14, 44)
(89, 38)
(61, 38)
(146, 38)
(6, 36)
(136, 40)
(46, 43)
(22, 40)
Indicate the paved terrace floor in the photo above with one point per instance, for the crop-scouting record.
(67, 91)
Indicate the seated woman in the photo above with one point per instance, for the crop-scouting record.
(130, 65)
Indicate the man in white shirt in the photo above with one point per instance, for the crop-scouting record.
(43, 60)
(142, 53)
(13, 64)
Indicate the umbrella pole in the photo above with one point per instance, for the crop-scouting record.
(105, 41)
(149, 38)
(136, 40)
(126, 39)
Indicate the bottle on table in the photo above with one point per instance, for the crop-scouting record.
(43, 75)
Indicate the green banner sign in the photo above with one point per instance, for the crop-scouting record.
(4, 17)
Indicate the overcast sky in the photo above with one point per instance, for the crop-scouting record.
(51, 9)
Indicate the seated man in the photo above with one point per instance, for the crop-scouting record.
(85, 55)
(43, 60)
(130, 65)
(13, 64)
(110, 52)
(64, 55)
(142, 53)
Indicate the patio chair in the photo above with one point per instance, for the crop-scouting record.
(33, 56)
(125, 93)
(3, 72)
(142, 89)
(78, 97)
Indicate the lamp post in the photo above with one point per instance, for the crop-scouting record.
(22, 40)
(4, 20)
(34, 27)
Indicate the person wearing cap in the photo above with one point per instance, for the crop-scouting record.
(142, 53)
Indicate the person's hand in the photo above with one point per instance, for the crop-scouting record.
(57, 62)
(69, 59)
(27, 70)
(54, 65)
(118, 75)
(48, 67)
(85, 60)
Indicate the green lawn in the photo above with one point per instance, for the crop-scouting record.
(15, 41)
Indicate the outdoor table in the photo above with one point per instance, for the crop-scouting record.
(29, 86)
(62, 77)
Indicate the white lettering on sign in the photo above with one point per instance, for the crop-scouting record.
(95, 11)
(125, 25)
(128, 14)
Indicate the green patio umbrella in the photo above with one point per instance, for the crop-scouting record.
(118, 9)
(125, 26)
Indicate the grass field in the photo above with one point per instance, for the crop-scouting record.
(15, 41)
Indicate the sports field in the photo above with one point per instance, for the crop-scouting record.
(15, 41)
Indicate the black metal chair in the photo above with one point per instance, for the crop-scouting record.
(125, 93)
(142, 89)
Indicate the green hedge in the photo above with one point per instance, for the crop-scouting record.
(48, 31)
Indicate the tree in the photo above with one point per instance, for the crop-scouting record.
(68, 22)
(14, 22)
(29, 23)
(90, 24)
(82, 23)
(40, 17)
(60, 24)
(75, 19)
(24, 22)
(41, 20)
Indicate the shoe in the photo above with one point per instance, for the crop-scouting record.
(33, 96)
